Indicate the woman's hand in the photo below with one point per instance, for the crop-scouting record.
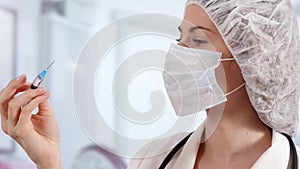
(38, 134)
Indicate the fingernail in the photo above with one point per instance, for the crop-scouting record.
(20, 78)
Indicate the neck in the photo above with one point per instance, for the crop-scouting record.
(239, 136)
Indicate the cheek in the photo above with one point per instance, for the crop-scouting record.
(221, 77)
(233, 74)
(231, 70)
(229, 76)
(220, 46)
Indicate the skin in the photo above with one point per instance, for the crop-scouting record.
(240, 138)
(38, 134)
(238, 141)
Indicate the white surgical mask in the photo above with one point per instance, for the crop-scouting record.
(190, 81)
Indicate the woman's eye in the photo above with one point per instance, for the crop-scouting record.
(199, 41)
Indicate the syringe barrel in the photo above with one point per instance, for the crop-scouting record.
(36, 82)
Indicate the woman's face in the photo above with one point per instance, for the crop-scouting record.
(198, 31)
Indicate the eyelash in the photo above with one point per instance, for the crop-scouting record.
(195, 40)
(199, 41)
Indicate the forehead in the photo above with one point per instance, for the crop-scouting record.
(196, 16)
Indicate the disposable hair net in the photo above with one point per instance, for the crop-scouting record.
(263, 37)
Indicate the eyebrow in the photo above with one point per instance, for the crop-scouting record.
(192, 29)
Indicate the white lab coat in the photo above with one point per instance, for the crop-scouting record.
(275, 157)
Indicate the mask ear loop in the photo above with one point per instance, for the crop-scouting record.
(234, 90)
(227, 59)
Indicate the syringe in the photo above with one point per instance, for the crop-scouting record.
(40, 77)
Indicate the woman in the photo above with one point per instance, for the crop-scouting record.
(261, 36)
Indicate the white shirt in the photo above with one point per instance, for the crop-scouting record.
(275, 157)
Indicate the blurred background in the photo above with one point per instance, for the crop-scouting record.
(34, 32)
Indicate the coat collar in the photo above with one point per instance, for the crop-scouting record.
(275, 157)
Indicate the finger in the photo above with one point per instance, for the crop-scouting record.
(45, 108)
(23, 87)
(11, 88)
(25, 115)
(21, 101)
(4, 107)
(4, 98)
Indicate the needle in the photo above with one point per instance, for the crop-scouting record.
(50, 65)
